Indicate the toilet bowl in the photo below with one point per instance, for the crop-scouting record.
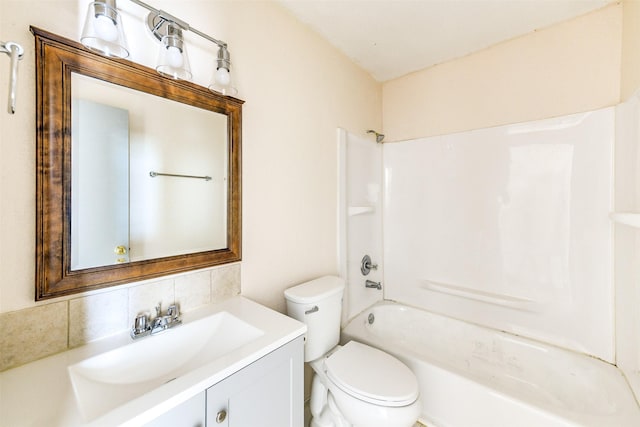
(354, 385)
(368, 387)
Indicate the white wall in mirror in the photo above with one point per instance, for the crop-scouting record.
(508, 227)
(167, 215)
(100, 194)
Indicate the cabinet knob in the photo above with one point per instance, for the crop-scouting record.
(221, 416)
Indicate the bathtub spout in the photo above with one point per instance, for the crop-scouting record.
(372, 284)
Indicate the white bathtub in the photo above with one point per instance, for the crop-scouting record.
(471, 376)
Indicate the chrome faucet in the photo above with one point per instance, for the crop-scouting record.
(372, 284)
(143, 326)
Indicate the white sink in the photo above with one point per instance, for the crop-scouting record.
(104, 382)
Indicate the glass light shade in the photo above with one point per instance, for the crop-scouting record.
(103, 32)
(222, 80)
(223, 83)
(173, 60)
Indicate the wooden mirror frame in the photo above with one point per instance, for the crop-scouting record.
(56, 59)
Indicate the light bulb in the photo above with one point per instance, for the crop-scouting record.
(222, 77)
(174, 56)
(106, 28)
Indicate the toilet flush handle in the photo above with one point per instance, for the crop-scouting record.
(312, 310)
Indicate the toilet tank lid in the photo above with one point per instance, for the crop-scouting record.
(315, 290)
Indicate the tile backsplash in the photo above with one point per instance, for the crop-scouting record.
(33, 333)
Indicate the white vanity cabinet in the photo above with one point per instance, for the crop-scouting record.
(188, 414)
(267, 393)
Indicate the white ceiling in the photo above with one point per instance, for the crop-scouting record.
(391, 38)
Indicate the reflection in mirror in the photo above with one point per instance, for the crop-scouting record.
(127, 203)
(138, 175)
(99, 184)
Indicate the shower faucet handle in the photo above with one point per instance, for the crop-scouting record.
(366, 265)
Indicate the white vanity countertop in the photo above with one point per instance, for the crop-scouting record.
(41, 394)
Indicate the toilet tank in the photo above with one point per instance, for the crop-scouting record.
(317, 303)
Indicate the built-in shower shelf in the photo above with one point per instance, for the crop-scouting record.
(627, 218)
(359, 210)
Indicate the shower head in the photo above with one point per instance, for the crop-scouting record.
(379, 136)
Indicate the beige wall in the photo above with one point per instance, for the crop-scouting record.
(301, 91)
(630, 75)
(298, 90)
(567, 68)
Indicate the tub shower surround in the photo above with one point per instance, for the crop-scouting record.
(33, 333)
(499, 259)
(509, 228)
(360, 219)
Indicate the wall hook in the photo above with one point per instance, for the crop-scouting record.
(15, 52)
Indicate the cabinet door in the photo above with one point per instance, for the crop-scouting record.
(267, 393)
(188, 414)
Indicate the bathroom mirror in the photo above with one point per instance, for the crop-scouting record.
(138, 175)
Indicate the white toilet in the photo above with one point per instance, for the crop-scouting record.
(354, 385)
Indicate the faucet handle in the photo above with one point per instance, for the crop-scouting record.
(173, 311)
(366, 265)
(140, 323)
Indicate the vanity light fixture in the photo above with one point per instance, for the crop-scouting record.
(103, 18)
(103, 31)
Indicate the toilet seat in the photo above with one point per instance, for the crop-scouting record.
(371, 375)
